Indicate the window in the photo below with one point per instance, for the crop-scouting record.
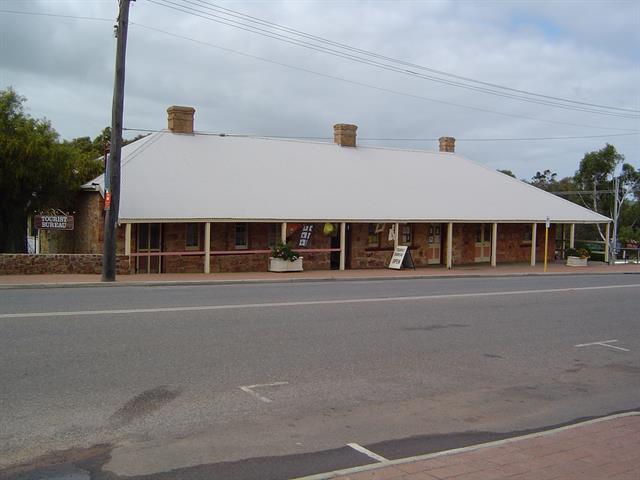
(242, 236)
(373, 236)
(192, 236)
(272, 235)
(406, 234)
(483, 232)
(528, 235)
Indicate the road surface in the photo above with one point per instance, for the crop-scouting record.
(275, 380)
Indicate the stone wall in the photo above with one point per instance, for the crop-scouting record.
(23, 264)
(512, 244)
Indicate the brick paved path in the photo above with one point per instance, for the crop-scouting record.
(604, 450)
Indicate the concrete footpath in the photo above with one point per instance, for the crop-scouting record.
(606, 448)
(31, 281)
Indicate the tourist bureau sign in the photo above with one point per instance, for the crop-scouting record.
(54, 222)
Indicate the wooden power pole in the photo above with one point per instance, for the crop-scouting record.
(112, 173)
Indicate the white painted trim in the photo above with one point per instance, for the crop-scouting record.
(494, 244)
(127, 239)
(449, 245)
(606, 242)
(207, 247)
(343, 243)
(572, 236)
(396, 237)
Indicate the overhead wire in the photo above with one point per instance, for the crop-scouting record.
(378, 88)
(244, 16)
(185, 8)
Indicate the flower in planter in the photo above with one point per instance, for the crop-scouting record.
(581, 252)
(283, 251)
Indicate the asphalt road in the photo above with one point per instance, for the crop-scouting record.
(274, 380)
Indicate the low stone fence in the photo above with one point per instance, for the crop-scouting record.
(26, 264)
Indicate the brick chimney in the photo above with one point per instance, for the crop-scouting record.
(447, 144)
(344, 134)
(180, 119)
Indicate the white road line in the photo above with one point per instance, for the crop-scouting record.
(603, 343)
(249, 389)
(309, 302)
(366, 452)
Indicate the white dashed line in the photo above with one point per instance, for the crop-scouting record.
(366, 452)
(250, 391)
(203, 308)
(604, 343)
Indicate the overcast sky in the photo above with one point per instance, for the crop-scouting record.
(586, 51)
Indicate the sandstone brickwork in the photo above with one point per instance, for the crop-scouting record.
(24, 264)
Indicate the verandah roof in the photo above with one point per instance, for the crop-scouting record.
(181, 177)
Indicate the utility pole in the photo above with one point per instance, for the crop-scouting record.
(616, 215)
(112, 174)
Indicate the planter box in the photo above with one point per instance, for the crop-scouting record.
(577, 261)
(280, 265)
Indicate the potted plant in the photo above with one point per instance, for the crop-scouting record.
(283, 259)
(578, 257)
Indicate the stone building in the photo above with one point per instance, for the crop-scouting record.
(216, 203)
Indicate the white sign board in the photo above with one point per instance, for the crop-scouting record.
(398, 257)
(548, 223)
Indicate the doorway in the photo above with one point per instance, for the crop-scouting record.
(149, 240)
(483, 243)
(434, 243)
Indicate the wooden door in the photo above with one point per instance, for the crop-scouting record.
(434, 237)
(483, 243)
(149, 240)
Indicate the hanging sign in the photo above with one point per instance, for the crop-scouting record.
(401, 258)
(107, 200)
(54, 222)
(305, 235)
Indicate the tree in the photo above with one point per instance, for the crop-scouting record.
(37, 171)
(596, 174)
(508, 172)
(544, 180)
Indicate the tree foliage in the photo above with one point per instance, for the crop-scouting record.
(592, 186)
(37, 171)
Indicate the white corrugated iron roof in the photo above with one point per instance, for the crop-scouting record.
(180, 177)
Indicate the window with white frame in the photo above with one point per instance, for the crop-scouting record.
(192, 236)
(242, 236)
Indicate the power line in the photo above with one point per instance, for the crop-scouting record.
(42, 14)
(333, 77)
(374, 87)
(511, 93)
(366, 52)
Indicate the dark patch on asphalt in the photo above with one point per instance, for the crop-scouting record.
(285, 467)
(426, 444)
(430, 328)
(71, 464)
(490, 355)
(143, 404)
(268, 468)
(622, 368)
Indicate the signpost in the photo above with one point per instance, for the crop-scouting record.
(546, 242)
(401, 258)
